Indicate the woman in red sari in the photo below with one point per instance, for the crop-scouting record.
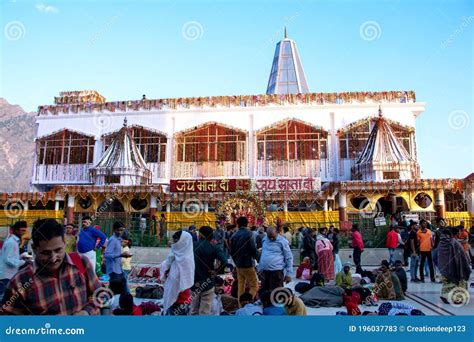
(325, 257)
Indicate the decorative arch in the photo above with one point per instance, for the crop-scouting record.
(291, 139)
(65, 146)
(209, 142)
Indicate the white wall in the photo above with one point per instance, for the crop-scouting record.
(244, 118)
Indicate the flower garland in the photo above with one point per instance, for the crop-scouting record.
(225, 101)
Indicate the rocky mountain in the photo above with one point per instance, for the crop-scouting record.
(17, 134)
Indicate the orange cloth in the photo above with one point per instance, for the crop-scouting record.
(424, 239)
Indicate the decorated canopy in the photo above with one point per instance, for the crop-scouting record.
(122, 162)
(384, 157)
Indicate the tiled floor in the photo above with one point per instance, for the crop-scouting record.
(424, 296)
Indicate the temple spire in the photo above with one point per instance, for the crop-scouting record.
(287, 75)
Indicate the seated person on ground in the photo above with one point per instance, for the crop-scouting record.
(248, 307)
(304, 269)
(401, 274)
(387, 285)
(269, 309)
(126, 306)
(295, 306)
(344, 278)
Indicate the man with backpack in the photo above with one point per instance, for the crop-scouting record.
(56, 283)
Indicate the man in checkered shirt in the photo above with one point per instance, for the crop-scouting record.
(55, 283)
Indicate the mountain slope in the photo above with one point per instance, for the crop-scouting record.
(17, 134)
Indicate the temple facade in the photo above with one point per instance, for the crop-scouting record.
(306, 155)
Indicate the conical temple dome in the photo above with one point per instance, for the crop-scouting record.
(384, 156)
(287, 75)
(122, 162)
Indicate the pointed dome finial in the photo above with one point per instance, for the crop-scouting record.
(125, 122)
(286, 33)
(380, 111)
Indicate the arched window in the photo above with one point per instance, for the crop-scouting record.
(65, 147)
(210, 142)
(292, 140)
(150, 143)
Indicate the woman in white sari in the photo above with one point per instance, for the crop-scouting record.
(177, 275)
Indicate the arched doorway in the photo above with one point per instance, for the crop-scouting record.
(111, 205)
(392, 204)
(385, 204)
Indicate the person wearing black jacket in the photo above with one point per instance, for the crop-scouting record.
(244, 254)
(309, 245)
(205, 254)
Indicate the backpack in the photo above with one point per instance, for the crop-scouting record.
(77, 261)
(150, 292)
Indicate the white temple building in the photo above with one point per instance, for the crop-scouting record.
(341, 143)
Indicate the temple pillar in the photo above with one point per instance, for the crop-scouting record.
(250, 148)
(169, 152)
(70, 209)
(325, 205)
(97, 149)
(342, 201)
(153, 206)
(334, 151)
(394, 204)
(285, 206)
(168, 207)
(206, 207)
(439, 203)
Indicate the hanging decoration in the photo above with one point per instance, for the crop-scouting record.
(241, 204)
(93, 101)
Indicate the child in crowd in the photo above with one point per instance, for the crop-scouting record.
(126, 262)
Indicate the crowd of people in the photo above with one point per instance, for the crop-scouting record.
(231, 270)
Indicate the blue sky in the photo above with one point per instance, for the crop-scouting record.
(168, 48)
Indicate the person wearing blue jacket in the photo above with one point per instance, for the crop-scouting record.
(87, 243)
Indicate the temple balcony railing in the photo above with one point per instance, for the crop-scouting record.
(62, 174)
(292, 168)
(210, 169)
